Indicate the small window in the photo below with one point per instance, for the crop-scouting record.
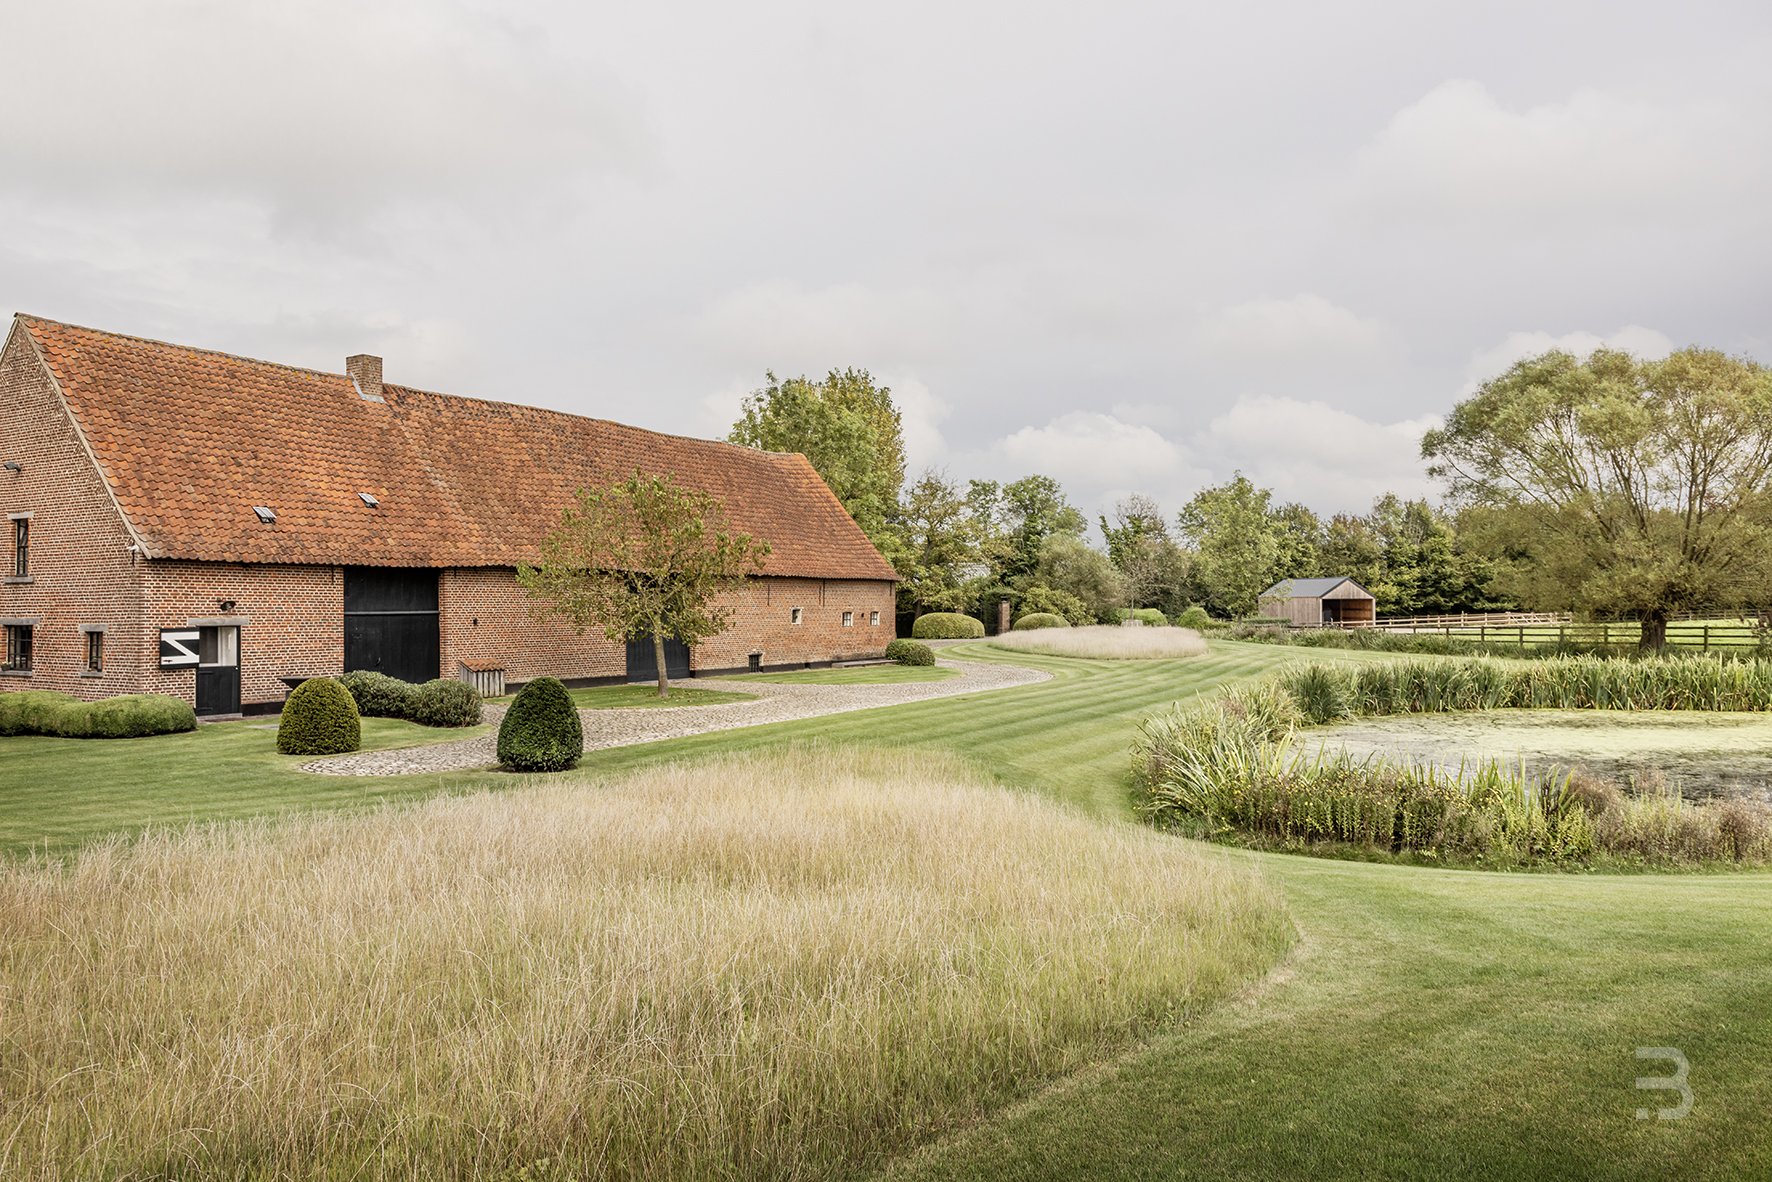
(873, 619)
(848, 619)
(95, 652)
(369, 499)
(21, 548)
(18, 649)
(793, 615)
(265, 514)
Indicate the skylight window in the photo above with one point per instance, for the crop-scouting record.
(370, 499)
(266, 515)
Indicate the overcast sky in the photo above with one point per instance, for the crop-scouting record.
(1135, 247)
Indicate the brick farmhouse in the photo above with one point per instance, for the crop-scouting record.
(193, 523)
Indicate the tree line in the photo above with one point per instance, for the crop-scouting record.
(967, 546)
(1607, 485)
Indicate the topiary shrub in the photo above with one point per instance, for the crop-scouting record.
(29, 712)
(541, 731)
(379, 696)
(1058, 603)
(128, 716)
(1040, 620)
(946, 626)
(910, 652)
(1150, 617)
(446, 702)
(1194, 617)
(320, 718)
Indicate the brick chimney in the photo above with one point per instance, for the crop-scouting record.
(365, 371)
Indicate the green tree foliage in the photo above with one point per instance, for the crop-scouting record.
(1014, 520)
(850, 430)
(1155, 569)
(642, 558)
(1237, 544)
(940, 537)
(1619, 485)
(1070, 566)
(1424, 568)
(1039, 600)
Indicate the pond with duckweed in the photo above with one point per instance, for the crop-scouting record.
(1701, 754)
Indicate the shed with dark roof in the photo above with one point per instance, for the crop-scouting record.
(1318, 603)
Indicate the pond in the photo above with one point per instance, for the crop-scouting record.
(1700, 754)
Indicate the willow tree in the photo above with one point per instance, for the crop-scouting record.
(1620, 486)
(643, 558)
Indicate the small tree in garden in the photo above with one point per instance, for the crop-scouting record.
(642, 558)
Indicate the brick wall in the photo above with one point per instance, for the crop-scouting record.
(486, 616)
(291, 618)
(763, 620)
(80, 565)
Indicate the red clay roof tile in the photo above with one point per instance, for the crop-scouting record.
(191, 440)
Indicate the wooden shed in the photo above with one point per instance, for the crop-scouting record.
(1319, 603)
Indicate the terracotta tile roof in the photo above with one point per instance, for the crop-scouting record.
(191, 440)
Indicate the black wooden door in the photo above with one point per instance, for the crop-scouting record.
(218, 671)
(643, 660)
(391, 622)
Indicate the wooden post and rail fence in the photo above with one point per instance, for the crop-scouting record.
(1702, 631)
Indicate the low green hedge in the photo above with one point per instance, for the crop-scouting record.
(440, 702)
(910, 652)
(129, 716)
(541, 731)
(320, 718)
(1150, 617)
(444, 701)
(946, 626)
(1195, 617)
(1040, 620)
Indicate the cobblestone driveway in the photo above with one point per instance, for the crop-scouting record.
(774, 702)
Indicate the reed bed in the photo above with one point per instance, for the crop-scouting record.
(1107, 643)
(766, 967)
(1243, 765)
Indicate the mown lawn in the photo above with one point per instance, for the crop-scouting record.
(58, 793)
(1431, 1024)
(1067, 737)
(1440, 1024)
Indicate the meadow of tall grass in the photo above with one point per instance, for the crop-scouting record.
(1107, 642)
(1243, 765)
(780, 966)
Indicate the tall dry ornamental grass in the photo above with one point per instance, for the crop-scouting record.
(1107, 643)
(767, 967)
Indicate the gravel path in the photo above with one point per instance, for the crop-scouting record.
(775, 701)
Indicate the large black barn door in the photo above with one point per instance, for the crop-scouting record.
(391, 621)
(643, 661)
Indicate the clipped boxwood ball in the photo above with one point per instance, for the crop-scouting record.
(946, 626)
(1040, 620)
(541, 731)
(320, 718)
(910, 652)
